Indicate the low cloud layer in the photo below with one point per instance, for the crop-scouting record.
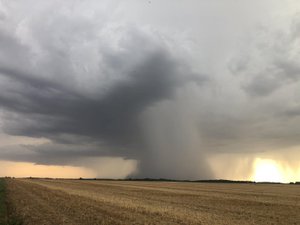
(96, 83)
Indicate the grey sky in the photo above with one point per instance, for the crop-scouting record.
(168, 84)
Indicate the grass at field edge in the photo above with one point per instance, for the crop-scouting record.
(3, 209)
(5, 218)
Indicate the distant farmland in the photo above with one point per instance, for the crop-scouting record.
(41, 201)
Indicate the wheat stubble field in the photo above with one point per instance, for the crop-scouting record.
(42, 201)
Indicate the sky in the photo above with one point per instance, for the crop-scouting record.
(194, 89)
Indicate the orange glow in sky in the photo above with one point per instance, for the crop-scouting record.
(21, 169)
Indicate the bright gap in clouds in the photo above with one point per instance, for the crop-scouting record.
(267, 170)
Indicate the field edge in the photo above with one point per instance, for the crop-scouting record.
(7, 215)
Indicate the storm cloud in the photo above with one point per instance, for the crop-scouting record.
(103, 80)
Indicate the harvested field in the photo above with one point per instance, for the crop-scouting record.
(40, 201)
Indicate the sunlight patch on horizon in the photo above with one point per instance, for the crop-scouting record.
(269, 170)
(271, 167)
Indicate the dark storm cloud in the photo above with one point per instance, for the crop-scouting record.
(112, 117)
(104, 119)
(125, 80)
(52, 153)
(106, 123)
(84, 86)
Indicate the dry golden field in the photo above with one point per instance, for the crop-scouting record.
(39, 201)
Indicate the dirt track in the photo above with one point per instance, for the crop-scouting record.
(121, 202)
